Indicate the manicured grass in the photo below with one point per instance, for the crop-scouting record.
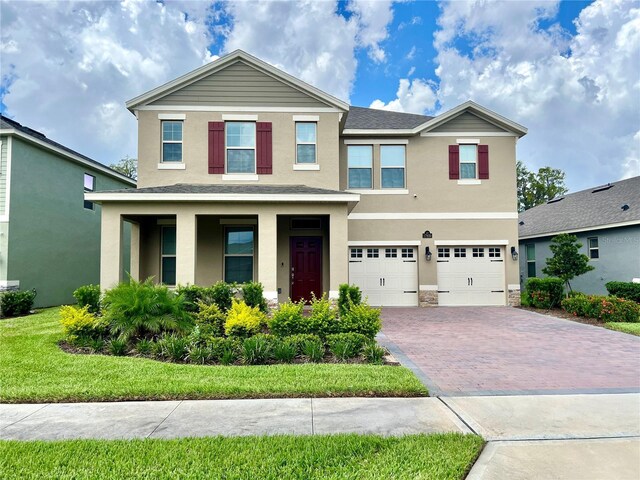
(440, 456)
(626, 327)
(34, 369)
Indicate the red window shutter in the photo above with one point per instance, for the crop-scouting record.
(216, 147)
(454, 162)
(264, 163)
(483, 162)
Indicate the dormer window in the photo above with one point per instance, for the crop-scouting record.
(172, 141)
(241, 147)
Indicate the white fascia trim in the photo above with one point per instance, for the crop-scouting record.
(390, 191)
(384, 243)
(376, 141)
(585, 229)
(102, 168)
(428, 288)
(308, 167)
(448, 243)
(239, 177)
(468, 141)
(462, 134)
(225, 108)
(172, 116)
(469, 181)
(172, 166)
(240, 118)
(9, 283)
(513, 286)
(435, 216)
(306, 118)
(370, 131)
(218, 197)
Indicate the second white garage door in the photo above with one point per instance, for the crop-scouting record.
(471, 275)
(387, 276)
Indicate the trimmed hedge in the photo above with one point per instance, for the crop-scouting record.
(626, 290)
(604, 309)
(545, 292)
(17, 303)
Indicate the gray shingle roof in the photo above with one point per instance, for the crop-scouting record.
(231, 189)
(371, 119)
(584, 209)
(7, 123)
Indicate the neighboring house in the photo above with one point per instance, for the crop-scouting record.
(605, 219)
(49, 234)
(247, 173)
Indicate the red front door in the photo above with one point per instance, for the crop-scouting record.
(306, 267)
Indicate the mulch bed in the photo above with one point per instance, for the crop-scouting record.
(560, 313)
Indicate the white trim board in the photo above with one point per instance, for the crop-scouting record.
(462, 134)
(306, 118)
(428, 288)
(308, 167)
(468, 141)
(219, 197)
(240, 177)
(389, 191)
(172, 116)
(584, 229)
(376, 141)
(239, 118)
(435, 216)
(172, 166)
(384, 243)
(463, 243)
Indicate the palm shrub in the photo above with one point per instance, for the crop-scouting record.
(222, 295)
(243, 320)
(347, 295)
(141, 309)
(88, 295)
(253, 295)
(288, 319)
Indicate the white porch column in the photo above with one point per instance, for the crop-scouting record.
(185, 248)
(338, 251)
(134, 267)
(268, 255)
(110, 247)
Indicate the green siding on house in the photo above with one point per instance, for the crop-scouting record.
(54, 242)
(468, 122)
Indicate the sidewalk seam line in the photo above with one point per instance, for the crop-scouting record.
(459, 417)
(164, 419)
(26, 416)
(313, 430)
(569, 439)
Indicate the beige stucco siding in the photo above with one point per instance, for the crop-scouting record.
(240, 85)
(195, 150)
(468, 122)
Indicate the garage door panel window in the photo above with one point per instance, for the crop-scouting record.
(478, 252)
(407, 253)
(460, 252)
(444, 253)
(356, 253)
(494, 252)
(373, 253)
(360, 159)
(391, 253)
(392, 166)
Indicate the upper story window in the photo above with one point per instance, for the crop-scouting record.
(89, 186)
(392, 166)
(594, 249)
(172, 141)
(468, 161)
(306, 143)
(360, 160)
(241, 147)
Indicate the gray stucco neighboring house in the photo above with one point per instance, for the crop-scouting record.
(606, 220)
(49, 235)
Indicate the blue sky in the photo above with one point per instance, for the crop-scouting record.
(558, 68)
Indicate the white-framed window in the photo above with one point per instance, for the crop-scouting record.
(373, 253)
(407, 253)
(240, 143)
(460, 252)
(89, 186)
(306, 142)
(594, 250)
(360, 160)
(478, 252)
(392, 166)
(168, 255)
(356, 253)
(238, 254)
(494, 252)
(468, 161)
(391, 253)
(531, 260)
(172, 140)
(444, 252)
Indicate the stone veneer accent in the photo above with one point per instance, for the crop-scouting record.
(428, 298)
(514, 298)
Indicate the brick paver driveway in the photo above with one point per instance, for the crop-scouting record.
(502, 350)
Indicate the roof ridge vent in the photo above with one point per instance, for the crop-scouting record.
(602, 188)
(555, 200)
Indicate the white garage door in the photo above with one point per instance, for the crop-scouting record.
(387, 276)
(471, 275)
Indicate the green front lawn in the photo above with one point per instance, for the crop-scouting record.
(632, 328)
(440, 456)
(34, 369)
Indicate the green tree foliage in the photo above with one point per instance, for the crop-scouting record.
(538, 188)
(126, 166)
(567, 261)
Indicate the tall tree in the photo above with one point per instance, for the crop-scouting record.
(538, 188)
(126, 166)
(567, 261)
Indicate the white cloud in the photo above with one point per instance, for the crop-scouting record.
(413, 96)
(577, 94)
(373, 17)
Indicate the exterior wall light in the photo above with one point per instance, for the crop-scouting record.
(427, 254)
(514, 253)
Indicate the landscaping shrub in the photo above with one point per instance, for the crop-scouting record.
(605, 309)
(298, 341)
(288, 319)
(360, 318)
(175, 347)
(222, 295)
(118, 346)
(138, 309)
(218, 346)
(257, 349)
(545, 292)
(625, 290)
(15, 303)
(253, 295)
(524, 299)
(144, 346)
(194, 295)
(323, 319)
(88, 295)
(346, 345)
(210, 320)
(243, 320)
(284, 350)
(197, 354)
(348, 294)
(373, 353)
(97, 345)
(78, 323)
(313, 350)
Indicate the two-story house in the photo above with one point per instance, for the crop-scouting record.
(247, 173)
(49, 234)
